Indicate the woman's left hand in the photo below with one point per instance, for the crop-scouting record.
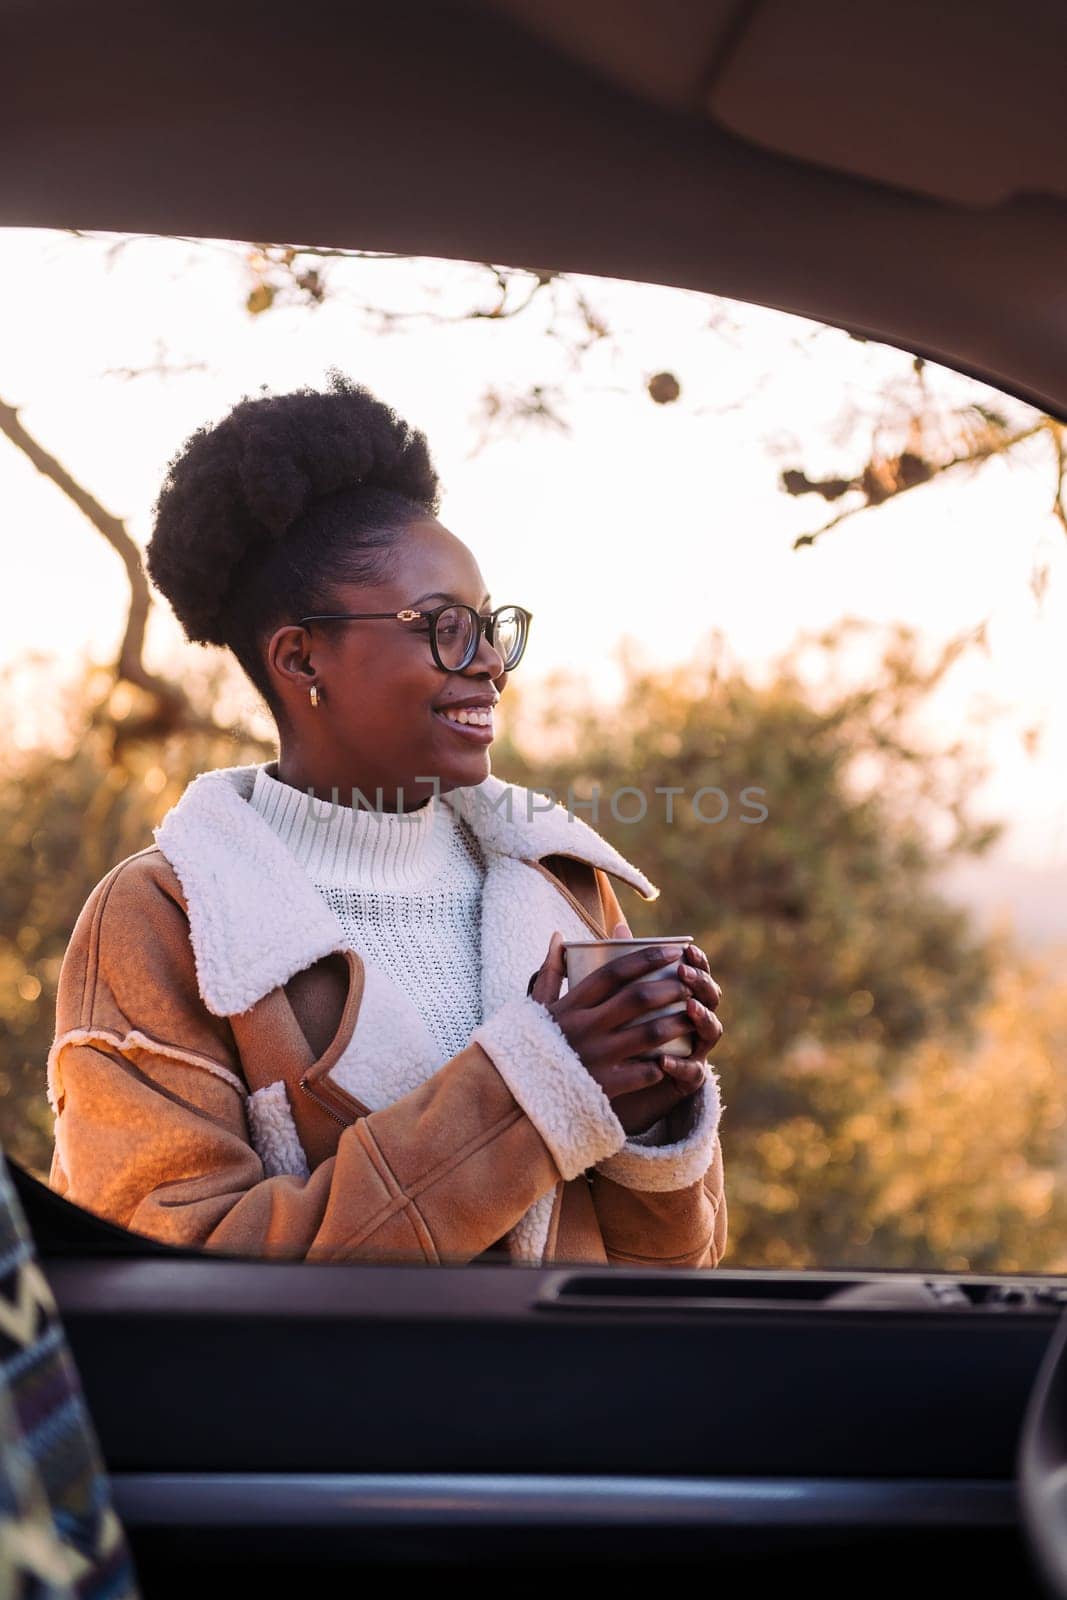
(682, 1075)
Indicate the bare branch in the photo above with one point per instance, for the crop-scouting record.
(173, 711)
(224, 247)
(114, 531)
(539, 403)
(1059, 509)
(878, 493)
(160, 367)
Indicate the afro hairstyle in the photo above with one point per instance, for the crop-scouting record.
(260, 516)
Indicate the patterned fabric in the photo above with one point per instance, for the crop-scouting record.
(59, 1536)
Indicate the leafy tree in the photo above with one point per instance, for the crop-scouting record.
(849, 982)
(68, 813)
(969, 1157)
(892, 1082)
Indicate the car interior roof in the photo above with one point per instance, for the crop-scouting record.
(960, 101)
(899, 175)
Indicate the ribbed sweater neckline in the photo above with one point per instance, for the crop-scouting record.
(352, 847)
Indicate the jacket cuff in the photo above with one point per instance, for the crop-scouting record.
(645, 1162)
(564, 1102)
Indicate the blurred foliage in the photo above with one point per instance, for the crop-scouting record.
(894, 1091)
(893, 1082)
(69, 811)
(970, 1163)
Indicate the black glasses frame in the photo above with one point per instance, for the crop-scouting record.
(486, 625)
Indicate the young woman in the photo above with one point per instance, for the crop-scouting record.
(325, 1016)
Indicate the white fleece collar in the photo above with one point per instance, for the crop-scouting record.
(256, 918)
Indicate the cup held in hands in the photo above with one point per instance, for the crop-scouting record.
(583, 956)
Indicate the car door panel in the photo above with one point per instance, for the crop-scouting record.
(256, 1414)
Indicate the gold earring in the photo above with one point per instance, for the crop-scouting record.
(314, 694)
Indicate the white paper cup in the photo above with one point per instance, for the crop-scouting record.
(583, 956)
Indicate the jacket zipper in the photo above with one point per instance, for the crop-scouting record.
(319, 1101)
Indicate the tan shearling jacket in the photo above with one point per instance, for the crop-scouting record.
(227, 1073)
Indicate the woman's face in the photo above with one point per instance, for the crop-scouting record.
(382, 719)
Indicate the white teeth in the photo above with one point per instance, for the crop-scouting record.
(480, 719)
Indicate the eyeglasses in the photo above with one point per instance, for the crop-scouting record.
(454, 631)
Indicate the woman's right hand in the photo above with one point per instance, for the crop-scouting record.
(600, 1016)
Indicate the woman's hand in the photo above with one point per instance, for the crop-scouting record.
(600, 1019)
(682, 1075)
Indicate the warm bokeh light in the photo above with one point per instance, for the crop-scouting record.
(892, 1070)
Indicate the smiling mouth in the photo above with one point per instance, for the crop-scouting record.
(476, 726)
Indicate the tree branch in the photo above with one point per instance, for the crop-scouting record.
(174, 711)
(973, 457)
(1059, 509)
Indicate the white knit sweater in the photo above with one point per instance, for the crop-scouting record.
(406, 888)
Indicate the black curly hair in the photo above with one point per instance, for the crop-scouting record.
(262, 515)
